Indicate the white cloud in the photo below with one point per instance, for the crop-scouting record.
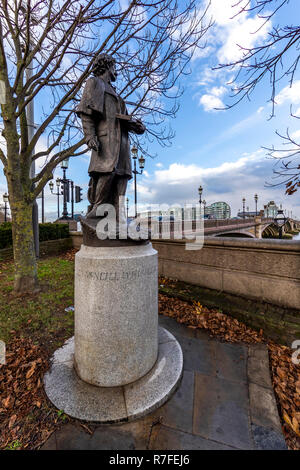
(210, 102)
(242, 125)
(296, 135)
(243, 33)
(223, 11)
(233, 28)
(289, 94)
(231, 32)
(179, 171)
(178, 184)
(218, 91)
(207, 76)
(202, 52)
(297, 112)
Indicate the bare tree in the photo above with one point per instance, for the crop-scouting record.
(275, 59)
(287, 169)
(153, 43)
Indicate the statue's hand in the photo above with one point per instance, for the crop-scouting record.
(140, 126)
(94, 144)
(137, 126)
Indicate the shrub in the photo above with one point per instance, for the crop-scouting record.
(47, 231)
(53, 231)
(5, 235)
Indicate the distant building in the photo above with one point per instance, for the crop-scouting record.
(174, 213)
(246, 214)
(270, 209)
(218, 210)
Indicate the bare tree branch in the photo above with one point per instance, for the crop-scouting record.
(152, 41)
(277, 58)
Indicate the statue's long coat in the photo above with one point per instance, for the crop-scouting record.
(97, 109)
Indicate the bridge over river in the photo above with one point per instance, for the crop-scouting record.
(254, 227)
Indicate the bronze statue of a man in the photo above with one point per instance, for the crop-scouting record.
(106, 125)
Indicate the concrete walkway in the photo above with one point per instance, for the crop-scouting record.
(225, 401)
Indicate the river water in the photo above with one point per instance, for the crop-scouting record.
(297, 237)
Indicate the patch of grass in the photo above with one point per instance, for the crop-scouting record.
(61, 415)
(41, 316)
(14, 445)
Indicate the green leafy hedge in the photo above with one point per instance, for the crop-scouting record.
(53, 231)
(48, 231)
(5, 235)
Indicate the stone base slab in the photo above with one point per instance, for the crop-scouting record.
(114, 404)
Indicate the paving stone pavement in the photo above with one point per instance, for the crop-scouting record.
(225, 401)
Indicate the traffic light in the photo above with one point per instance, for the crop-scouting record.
(78, 194)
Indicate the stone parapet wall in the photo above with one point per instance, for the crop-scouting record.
(258, 281)
(77, 239)
(255, 280)
(268, 270)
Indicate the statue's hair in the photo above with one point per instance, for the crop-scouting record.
(102, 63)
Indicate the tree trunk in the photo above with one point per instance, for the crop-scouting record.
(23, 246)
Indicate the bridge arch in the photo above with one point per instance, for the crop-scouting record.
(288, 226)
(235, 234)
(270, 231)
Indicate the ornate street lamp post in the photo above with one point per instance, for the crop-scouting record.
(280, 221)
(256, 199)
(64, 165)
(134, 152)
(5, 200)
(58, 193)
(244, 202)
(200, 191)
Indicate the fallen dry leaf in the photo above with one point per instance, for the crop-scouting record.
(12, 421)
(31, 371)
(22, 396)
(7, 401)
(285, 375)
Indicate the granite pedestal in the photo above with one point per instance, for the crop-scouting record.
(116, 368)
(115, 313)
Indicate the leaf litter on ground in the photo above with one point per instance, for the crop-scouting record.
(27, 418)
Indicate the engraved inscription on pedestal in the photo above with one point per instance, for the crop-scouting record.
(121, 275)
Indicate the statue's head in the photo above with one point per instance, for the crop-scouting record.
(103, 63)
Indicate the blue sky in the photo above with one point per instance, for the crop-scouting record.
(221, 150)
